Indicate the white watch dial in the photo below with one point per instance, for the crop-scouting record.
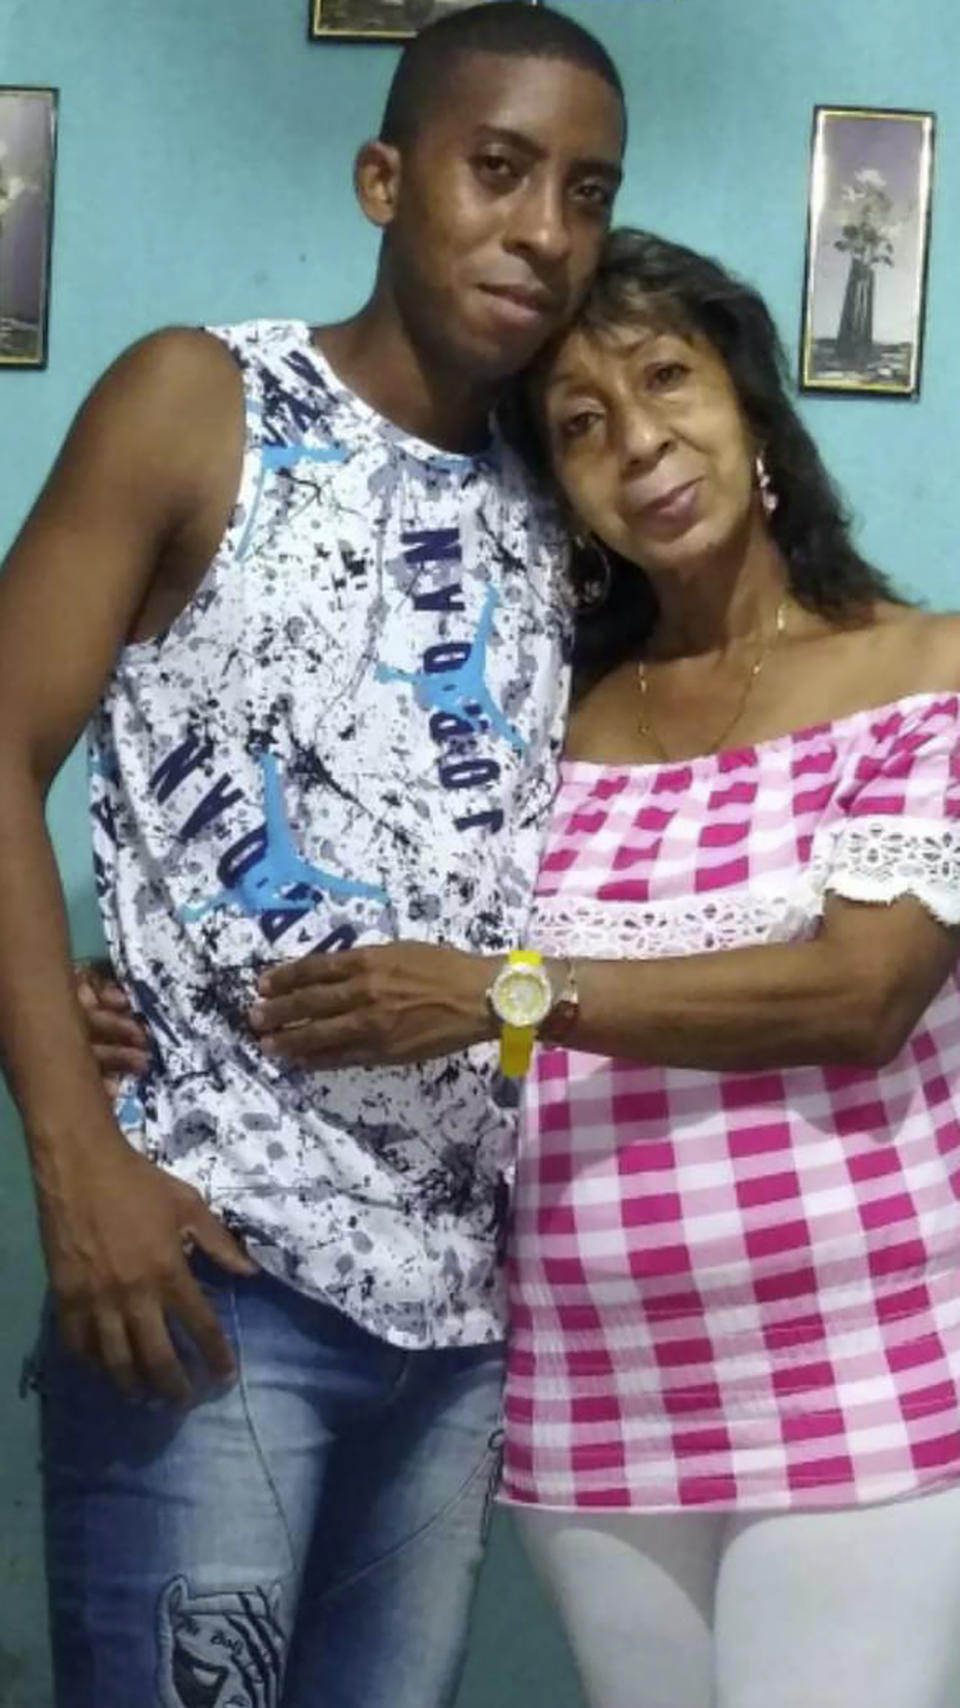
(522, 996)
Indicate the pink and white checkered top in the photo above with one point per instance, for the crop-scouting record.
(742, 1290)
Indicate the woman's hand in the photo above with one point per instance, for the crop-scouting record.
(119, 1042)
(395, 1003)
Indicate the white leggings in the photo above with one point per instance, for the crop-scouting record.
(858, 1608)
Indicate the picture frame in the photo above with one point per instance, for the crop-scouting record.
(378, 20)
(28, 156)
(868, 242)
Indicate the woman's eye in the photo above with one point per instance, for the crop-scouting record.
(576, 426)
(667, 374)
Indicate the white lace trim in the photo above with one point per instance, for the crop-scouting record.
(871, 860)
(618, 930)
(886, 859)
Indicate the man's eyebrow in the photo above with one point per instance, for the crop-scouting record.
(513, 138)
(600, 169)
(525, 144)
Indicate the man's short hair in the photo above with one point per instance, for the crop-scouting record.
(510, 28)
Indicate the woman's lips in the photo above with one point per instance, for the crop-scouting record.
(675, 508)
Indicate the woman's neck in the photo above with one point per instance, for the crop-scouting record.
(711, 607)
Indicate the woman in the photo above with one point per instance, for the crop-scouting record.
(732, 1410)
(733, 1423)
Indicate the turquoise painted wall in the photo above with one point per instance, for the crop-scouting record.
(205, 174)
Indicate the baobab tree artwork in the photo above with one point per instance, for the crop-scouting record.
(866, 251)
(867, 236)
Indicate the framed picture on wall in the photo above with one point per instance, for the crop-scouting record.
(868, 234)
(379, 20)
(28, 144)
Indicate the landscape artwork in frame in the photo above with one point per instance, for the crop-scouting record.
(867, 239)
(28, 132)
(379, 20)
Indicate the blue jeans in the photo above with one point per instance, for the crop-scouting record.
(309, 1538)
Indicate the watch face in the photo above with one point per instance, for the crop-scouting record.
(522, 996)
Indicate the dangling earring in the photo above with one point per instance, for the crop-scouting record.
(769, 498)
(592, 586)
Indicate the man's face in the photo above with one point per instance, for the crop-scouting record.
(504, 200)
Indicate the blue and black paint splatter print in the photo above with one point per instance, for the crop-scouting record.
(350, 735)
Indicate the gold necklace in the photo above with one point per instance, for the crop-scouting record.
(648, 730)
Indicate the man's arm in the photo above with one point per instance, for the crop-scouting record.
(128, 520)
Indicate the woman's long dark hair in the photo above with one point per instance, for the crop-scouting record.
(645, 278)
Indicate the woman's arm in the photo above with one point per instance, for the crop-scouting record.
(852, 995)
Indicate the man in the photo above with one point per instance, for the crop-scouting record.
(316, 606)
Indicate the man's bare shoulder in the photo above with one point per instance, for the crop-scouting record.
(164, 423)
(179, 369)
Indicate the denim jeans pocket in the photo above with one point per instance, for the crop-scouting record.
(49, 1364)
(210, 1275)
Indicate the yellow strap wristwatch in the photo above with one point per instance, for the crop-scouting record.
(521, 997)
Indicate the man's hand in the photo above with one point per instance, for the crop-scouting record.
(398, 1002)
(120, 1044)
(116, 1232)
(116, 1241)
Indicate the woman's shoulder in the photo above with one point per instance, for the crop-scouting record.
(915, 651)
(892, 675)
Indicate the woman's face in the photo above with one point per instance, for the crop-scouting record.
(649, 444)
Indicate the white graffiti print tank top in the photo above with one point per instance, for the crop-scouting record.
(349, 736)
